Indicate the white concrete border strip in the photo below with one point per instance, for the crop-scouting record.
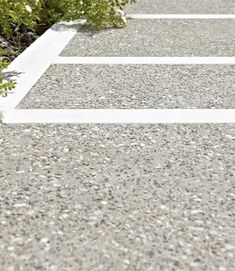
(34, 61)
(181, 16)
(118, 116)
(145, 60)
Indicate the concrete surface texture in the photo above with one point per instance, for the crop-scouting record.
(134, 86)
(125, 197)
(158, 38)
(182, 6)
(117, 197)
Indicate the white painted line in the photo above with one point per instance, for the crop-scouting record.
(181, 16)
(75, 116)
(145, 60)
(34, 61)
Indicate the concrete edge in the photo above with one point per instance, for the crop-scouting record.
(34, 61)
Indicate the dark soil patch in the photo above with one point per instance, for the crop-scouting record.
(20, 39)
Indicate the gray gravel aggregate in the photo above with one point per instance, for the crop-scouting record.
(158, 38)
(117, 197)
(134, 86)
(182, 6)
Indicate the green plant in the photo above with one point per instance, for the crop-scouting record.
(20, 12)
(5, 85)
(98, 13)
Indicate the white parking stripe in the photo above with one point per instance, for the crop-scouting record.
(181, 16)
(145, 60)
(120, 116)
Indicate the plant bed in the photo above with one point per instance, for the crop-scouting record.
(22, 22)
(20, 39)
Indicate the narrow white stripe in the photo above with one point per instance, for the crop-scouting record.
(181, 16)
(34, 61)
(121, 116)
(144, 60)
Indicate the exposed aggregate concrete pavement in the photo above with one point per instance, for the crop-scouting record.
(148, 38)
(182, 6)
(117, 197)
(134, 86)
(126, 197)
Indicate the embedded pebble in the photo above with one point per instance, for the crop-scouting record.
(44, 240)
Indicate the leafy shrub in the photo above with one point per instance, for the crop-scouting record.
(17, 12)
(99, 14)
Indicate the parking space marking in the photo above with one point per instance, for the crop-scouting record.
(181, 16)
(36, 59)
(154, 116)
(145, 60)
